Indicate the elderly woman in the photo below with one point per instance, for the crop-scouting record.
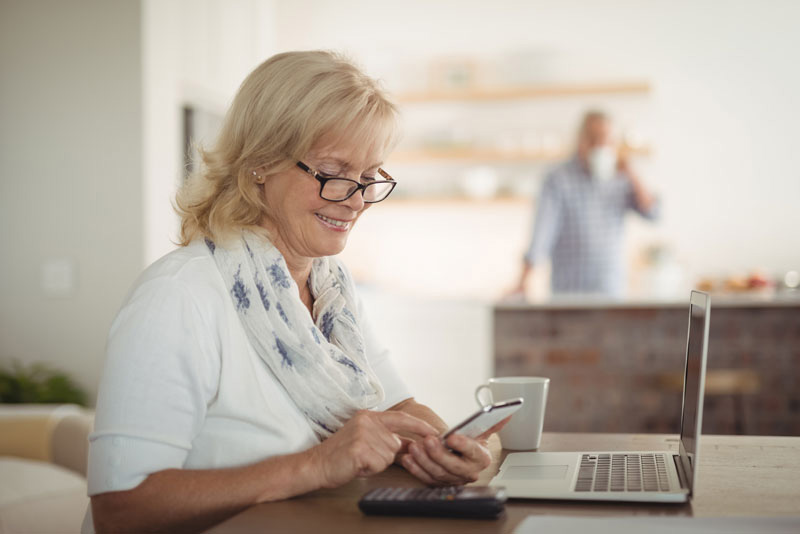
(242, 367)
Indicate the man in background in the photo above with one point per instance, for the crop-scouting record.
(580, 216)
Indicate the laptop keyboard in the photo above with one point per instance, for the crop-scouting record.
(623, 472)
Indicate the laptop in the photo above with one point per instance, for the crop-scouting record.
(639, 476)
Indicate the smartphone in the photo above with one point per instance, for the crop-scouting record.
(485, 418)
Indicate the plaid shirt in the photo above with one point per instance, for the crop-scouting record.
(580, 225)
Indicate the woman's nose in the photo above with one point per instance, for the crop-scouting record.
(356, 201)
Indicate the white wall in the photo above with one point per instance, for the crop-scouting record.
(90, 98)
(90, 122)
(70, 176)
(195, 53)
(725, 84)
(440, 347)
(723, 114)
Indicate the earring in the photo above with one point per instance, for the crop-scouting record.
(259, 179)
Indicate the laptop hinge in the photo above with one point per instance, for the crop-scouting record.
(682, 478)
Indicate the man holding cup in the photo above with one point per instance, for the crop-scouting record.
(580, 216)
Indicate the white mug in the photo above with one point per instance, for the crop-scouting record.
(524, 430)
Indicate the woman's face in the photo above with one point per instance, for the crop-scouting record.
(302, 224)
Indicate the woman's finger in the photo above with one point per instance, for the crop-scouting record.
(434, 469)
(470, 449)
(464, 467)
(403, 422)
(388, 440)
(373, 462)
(404, 443)
(413, 467)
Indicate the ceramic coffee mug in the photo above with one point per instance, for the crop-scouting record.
(524, 430)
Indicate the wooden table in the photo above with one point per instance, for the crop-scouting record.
(739, 476)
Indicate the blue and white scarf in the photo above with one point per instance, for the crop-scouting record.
(320, 361)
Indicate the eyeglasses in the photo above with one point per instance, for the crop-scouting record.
(337, 189)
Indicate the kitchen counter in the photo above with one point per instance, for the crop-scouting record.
(617, 366)
(771, 300)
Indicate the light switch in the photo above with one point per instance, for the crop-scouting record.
(59, 277)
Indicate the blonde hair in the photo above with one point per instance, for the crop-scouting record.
(280, 111)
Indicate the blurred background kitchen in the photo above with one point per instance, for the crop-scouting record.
(101, 102)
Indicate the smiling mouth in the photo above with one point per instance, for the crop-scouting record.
(336, 224)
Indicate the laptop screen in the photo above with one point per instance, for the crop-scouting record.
(691, 419)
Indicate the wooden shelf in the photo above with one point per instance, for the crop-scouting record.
(526, 92)
(461, 199)
(484, 155)
(456, 201)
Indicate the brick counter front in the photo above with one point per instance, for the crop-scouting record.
(619, 367)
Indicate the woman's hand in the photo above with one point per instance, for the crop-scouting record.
(365, 445)
(430, 460)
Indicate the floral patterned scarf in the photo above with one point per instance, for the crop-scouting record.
(320, 361)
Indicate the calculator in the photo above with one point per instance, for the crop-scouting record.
(473, 502)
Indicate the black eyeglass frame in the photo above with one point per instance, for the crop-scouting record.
(359, 186)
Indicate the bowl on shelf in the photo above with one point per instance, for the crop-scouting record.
(480, 182)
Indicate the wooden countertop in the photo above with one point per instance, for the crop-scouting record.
(738, 476)
(588, 302)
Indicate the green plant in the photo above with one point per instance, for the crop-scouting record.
(38, 383)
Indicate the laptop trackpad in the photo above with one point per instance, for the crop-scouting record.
(535, 472)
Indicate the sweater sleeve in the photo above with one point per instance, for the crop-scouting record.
(162, 370)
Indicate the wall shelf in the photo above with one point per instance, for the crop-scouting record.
(451, 130)
(484, 155)
(458, 201)
(525, 92)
